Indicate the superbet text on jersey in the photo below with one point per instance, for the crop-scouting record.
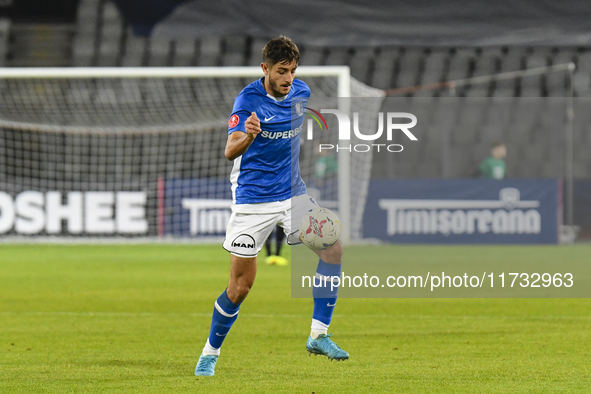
(274, 175)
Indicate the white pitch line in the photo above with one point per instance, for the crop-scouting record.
(90, 314)
(259, 315)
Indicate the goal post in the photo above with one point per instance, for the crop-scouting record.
(79, 131)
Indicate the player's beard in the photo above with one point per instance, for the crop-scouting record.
(277, 88)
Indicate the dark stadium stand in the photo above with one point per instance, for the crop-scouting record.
(103, 38)
(4, 37)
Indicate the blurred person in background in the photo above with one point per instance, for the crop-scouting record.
(275, 258)
(493, 167)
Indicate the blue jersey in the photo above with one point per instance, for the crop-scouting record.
(269, 170)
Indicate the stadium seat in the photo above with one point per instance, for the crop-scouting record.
(434, 65)
(361, 63)
(256, 47)
(513, 59)
(160, 52)
(210, 49)
(83, 47)
(510, 61)
(234, 51)
(384, 68)
(338, 57)
(506, 89)
(477, 90)
(408, 67)
(110, 12)
(535, 86)
(109, 47)
(538, 57)
(83, 51)
(108, 53)
(312, 56)
(184, 52)
(134, 49)
(459, 64)
(110, 35)
(557, 83)
(87, 19)
(519, 123)
(433, 68)
(4, 40)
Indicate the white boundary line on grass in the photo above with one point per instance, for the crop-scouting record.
(16, 239)
(259, 315)
(21, 239)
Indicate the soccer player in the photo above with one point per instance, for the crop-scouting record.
(275, 258)
(267, 190)
(493, 167)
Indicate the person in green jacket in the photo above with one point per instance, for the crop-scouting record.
(493, 167)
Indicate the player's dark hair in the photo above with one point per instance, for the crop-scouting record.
(496, 144)
(280, 50)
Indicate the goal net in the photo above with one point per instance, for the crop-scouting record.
(139, 151)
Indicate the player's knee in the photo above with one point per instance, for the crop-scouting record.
(241, 290)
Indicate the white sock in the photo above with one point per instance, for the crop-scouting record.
(318, 328)
(208, 350)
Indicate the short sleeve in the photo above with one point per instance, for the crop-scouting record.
(240, 113)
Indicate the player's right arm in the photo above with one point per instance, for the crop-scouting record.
(239, 141)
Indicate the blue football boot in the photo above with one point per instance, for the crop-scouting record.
(206, 365)
(324, 346)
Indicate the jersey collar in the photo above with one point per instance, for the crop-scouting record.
(263, 91)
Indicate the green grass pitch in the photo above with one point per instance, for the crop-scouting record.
(133, 318)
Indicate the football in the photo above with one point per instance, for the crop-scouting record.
(320, 228)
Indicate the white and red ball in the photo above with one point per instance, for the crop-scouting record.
(320, 228)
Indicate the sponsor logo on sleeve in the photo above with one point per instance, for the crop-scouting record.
(234, 120)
